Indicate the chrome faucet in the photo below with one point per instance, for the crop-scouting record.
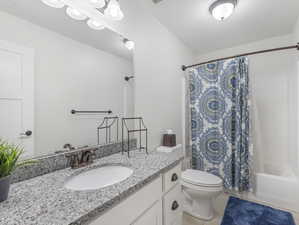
(69, 147)
(81, 158)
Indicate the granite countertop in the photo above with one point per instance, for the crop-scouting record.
(44, 200)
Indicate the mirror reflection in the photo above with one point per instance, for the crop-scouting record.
(59, 78)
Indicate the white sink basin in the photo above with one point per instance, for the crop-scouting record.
(98, 178)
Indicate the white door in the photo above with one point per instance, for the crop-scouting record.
(16, 96)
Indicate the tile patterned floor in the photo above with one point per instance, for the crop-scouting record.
(220, 204)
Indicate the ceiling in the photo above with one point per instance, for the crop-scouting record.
(252, 20)
(57, 20)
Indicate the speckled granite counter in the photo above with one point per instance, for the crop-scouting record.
(44, 201)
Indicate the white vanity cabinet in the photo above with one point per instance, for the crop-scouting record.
(157, 203)
(172, 197)
(152, 216)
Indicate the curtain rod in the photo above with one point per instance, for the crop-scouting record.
(245, 54)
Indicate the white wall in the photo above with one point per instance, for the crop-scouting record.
(296, 31)
(158, 57)
(296, 40)
(274, 88)
(68, 75)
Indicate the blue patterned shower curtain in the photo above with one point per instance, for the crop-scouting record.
(220, 125)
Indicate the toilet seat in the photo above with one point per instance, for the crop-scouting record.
(201, 179)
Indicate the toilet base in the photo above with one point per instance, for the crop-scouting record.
(192, 210)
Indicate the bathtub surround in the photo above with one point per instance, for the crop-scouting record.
(52, 163)
(280, 190)
(219, 106)
(44, 200)
(244, 212)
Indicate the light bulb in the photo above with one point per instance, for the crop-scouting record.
(113, 11)
(75, 14)
(96, 25)
(129, 44)
(54, 3)
(97, 3)
(222, 9)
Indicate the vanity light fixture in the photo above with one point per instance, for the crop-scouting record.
(222, 9)
(96, 25)
(98, 4)
(75, 14)
(129, 44)
(54, 3)
(108, 8)
(113, 10)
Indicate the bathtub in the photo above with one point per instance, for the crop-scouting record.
(278, 187)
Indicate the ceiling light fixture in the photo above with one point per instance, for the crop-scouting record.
(96, 25)
(129, 44)
(113, 11)
(222, 9)
(75, 14)
(54, 3)
(98, 3)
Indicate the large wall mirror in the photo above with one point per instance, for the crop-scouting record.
(51, 64)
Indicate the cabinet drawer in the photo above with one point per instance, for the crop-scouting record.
(172, 207)
(172, 177)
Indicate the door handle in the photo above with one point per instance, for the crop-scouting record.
(27, 133)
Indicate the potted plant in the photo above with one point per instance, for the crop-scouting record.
(9, 161)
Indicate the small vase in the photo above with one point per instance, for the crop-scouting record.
(4, 188)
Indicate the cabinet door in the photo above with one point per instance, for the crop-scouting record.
(172, 204)
(129, 210)
(153, 216)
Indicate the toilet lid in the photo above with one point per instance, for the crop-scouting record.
(201, 178)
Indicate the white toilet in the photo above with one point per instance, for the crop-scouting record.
(199, 189)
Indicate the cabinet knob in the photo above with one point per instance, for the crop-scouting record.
(174, 177)
(175, 206)
(28, 133)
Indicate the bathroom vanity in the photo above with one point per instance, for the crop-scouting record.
(150, 196)
(155, 204)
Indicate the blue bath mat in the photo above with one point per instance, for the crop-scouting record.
(241, 212)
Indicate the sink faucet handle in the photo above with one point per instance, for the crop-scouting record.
(93, 153)
(87, 156)
(74, 160)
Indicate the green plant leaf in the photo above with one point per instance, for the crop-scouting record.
(9, 157)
